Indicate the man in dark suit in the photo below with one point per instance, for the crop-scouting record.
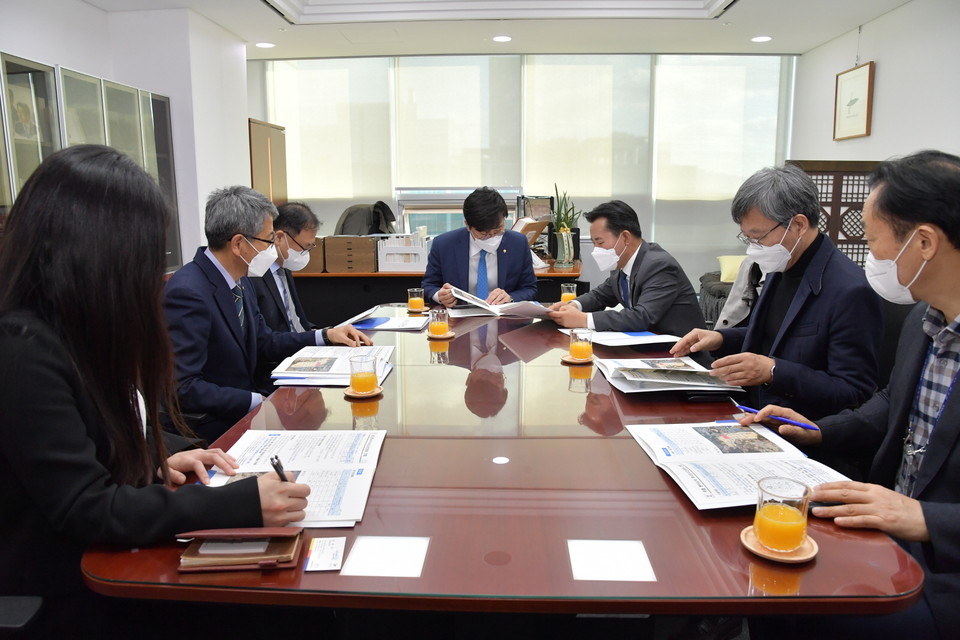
(655, 293)
(912, 428)
(483, 258)
(813, 339)
(215, 325)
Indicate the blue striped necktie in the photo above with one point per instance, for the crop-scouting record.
(483, 289)
(625, 291)
(238, 303)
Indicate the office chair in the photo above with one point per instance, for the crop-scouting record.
(17, 612)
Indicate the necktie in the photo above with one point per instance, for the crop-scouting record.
(625, 290)
(292, 317)
(238, 303)
(483, 289)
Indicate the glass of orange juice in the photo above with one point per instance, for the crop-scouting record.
(365, 414)
(439, 351)
(568, 291)
(781, 520)
(580, 378)
(581, 344)
(439, 322)
(415, 299)
(363, 374)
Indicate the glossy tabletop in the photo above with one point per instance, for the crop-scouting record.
(498, 533)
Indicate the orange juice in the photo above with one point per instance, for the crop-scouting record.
(780, 527)
(363, 381)
(439, 328)
(365, 409)
(415, 303)
(439, 346)
(774, 581)
(567, 297)
(581, 350)
(581, 373)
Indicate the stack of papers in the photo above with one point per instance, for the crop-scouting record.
(328, 366)
(628, 338)
(525, 309)
(718, 464)
(637, 375)
(338, 466)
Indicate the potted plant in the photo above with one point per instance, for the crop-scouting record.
(566, 231)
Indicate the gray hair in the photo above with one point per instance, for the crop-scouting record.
(234, 210)
(779, 193)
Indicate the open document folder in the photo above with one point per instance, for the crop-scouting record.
(338, 466)
(328, 366)
(637, 375)
(525, 309)
(718, 464)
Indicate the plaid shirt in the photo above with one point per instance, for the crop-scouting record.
(936, 382)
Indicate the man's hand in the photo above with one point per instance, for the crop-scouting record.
(697, 340)
(568, 315)
(797, 435)
(347, 335)
(743, 369)
(445, 295)
(498, 296)
(871, 506)
(198, 461)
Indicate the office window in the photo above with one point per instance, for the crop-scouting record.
(337, 117)
(586, 125)
(458, 121)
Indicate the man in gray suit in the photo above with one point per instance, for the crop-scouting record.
(655, 293)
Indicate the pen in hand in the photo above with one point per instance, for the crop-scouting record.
(278, 467)
(804, 425)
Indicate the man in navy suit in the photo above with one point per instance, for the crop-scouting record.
(813, 340)
(483, 258)
(215, 325)
(911, 221)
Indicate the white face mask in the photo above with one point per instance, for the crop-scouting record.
(490, 245)
(772, 259)
(295, 259)
(607, 259)
(882, 276)
(262, 261)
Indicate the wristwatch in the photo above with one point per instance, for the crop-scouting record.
(323, 335)
(772, 369)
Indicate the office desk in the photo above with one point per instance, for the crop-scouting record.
(498, 532)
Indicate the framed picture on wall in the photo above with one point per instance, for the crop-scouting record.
(853, 102)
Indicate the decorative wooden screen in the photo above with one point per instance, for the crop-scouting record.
(843, 190)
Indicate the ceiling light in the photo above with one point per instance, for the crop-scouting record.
(500, 460)
(761, 39)
(265, 45)
(502, 38)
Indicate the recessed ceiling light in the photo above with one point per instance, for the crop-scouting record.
(761, 39)
(500, 460)
(265, 45)
(502, 38)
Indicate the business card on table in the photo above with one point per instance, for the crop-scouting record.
(325, 554)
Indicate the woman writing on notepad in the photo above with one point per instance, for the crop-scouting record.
(86, 368)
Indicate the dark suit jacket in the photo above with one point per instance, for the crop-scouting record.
(828, 346)
(274, 311)
(215, 361)
(879, 426)
(58, 496)
(449, 261)
(663, 299)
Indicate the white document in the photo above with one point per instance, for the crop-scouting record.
(718, 464)
(639, 375)
(386, 556)
(628, 338)
(329, 365)
(610, 560)
(338, 466)
(524, 309)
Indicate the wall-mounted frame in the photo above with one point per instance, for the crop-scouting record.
(853, 102)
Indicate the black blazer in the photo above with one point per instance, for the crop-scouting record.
(879, 427)
(272, 305)
(57, 495)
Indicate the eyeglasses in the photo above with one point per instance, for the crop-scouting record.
(486, 235)
(270, 241)
(755, 241)
(303, 248)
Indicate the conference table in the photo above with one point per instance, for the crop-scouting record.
(499, 467)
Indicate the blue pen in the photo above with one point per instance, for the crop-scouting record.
(779, 419)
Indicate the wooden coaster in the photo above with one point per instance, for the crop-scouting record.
(804, 553)
(566, 359)
(442, 336)
(418, 312)
(350, 393)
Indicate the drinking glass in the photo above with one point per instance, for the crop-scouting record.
(581, 344)
(439, 322)
(415, 299)
(568, 291)
(781, 520)
(363, 374)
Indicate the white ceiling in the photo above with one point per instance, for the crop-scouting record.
(397, 27)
